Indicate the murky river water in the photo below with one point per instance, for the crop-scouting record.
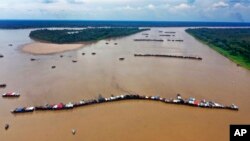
(213, 78)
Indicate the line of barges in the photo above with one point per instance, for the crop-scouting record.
(178, 100)
(148, 40)
(170, 56)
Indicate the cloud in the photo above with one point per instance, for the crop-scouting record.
(238, 6)
(220, 4)
(173, 10)
(182, 6)
(151, 7)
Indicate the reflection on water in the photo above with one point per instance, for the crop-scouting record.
(214, 78)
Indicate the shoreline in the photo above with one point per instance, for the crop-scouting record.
(45, 48)
(239, 60)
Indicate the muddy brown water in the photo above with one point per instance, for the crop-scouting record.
(214, 78)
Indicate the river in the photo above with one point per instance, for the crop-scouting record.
(214, 78)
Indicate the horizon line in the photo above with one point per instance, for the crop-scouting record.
(120, 20)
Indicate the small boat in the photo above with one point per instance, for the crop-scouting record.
(59, 106)
(155, 97)
(6, 127)
(101, 99)
(69, 105)
(234, 107)
(73, 131)
(78, 104)
(23, 110)
(11, 94)
(45, 107)
(82, 102)
(3, 85)
(32, 59)
(107, 99)
(176, 101)
(29, 109)
(18, 110)
(121, 59)
(191, 101)
(115, 43)
(179, 97)
(167, 100)
(203, 103)
(217, 105)
(1, 56)
(196, 103)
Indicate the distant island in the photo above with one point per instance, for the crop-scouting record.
(233, 43)
(66, 36)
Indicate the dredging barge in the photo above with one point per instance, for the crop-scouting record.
(148, 40)
(169, 56)
(178, 100)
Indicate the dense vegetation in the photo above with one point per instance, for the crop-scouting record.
(83, 35)
(19, 24)
(233, 43)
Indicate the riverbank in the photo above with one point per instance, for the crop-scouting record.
(236, 59)
(49, 48)
(231, 43)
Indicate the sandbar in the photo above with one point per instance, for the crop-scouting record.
(49, 48)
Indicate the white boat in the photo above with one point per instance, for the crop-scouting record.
(29, 109)
(234, 107)
(69, 105)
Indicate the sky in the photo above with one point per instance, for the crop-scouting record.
(138, 10)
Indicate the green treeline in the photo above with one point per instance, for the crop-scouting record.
(83, 35)
(233, 43)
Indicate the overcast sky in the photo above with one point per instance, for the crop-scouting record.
(149, 10)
